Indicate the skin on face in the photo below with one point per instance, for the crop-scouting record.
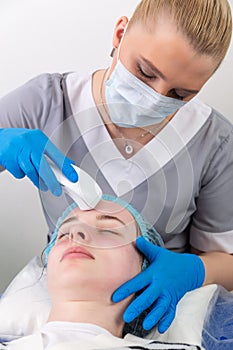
(82, 270)
(162, 58)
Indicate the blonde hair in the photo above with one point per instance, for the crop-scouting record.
(207, 24)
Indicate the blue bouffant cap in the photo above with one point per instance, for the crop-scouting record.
(146, 230)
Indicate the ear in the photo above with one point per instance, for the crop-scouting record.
(119, 31)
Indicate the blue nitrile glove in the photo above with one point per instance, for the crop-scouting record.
(169, 276)
(22, 152)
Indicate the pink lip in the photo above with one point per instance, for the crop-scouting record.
(77, 253)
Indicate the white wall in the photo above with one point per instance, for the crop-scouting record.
(39, 36)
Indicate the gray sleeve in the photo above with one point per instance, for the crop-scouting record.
(212, 223)
(32, 104)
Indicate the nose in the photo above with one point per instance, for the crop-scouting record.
(161, 88)
(79, 236)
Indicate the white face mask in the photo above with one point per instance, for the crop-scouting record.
(132, 103)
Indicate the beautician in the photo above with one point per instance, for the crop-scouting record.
(140, 131)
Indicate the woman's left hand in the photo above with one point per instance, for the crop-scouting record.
(169, 276)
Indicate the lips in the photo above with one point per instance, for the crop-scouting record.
(77, 253)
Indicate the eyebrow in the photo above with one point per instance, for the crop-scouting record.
(98, 217)
(159, 73)
(70, 219)
(109, 217)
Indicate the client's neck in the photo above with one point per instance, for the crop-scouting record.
(108, 316)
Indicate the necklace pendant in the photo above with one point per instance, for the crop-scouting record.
(128, 148)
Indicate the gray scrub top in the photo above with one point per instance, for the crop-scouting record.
(181, 181)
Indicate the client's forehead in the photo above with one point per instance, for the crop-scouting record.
(104, 209)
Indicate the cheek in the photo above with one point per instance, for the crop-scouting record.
(52, 267)
(123, 264)
(134, 261)
(51, 271)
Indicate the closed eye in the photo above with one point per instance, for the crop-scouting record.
(109, 231)
(173, 93)
(143, 74)
(179, 94)
(62, 235)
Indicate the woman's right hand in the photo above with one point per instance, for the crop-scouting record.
(22, 153)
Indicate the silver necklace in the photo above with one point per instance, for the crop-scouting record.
(128, 148)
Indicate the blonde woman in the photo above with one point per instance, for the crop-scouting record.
(138, 128)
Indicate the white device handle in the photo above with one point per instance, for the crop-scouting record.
(86, 192)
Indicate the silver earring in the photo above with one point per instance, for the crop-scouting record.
(112, 52)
